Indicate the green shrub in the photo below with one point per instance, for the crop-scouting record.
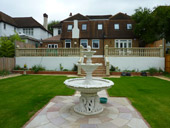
(61, 67)
(152, 71)
(114, 69)
(65, 70)
(17, 67)
(74, 68)
(4, 73)
(37, 68)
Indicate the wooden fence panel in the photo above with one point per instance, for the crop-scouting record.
(7, 63)
(167, 63)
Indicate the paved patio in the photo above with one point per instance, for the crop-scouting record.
(59, 113)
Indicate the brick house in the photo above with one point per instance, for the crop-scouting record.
(97, 31)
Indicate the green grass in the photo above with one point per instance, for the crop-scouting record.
(149, 95)
(21, 97)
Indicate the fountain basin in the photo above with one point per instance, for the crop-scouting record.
(88, 86)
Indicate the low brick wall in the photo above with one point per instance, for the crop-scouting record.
(46, 72)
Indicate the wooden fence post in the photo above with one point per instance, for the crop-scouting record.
(161, 51)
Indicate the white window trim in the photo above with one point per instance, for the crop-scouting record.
(129, 28)
(98, 43)
(68, 27)
(68, 42)
(98, 26)
(118, 26)
(53, 44)
(127, 42)
(82, 27)
(86, 40)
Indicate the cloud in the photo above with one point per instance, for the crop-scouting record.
(60, 9)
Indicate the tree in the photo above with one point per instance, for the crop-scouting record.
(145, 25)
(51, 24)
(162, 18)
(7, 45)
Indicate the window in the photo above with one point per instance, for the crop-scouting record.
(59, 31)
(129, 26)
(95, 44)
(52, 45)
(84, 43)
(4, 26)
(69, 27)
(100, 26)
(28, 31)
(116, 26)
(67, 43)
(123, 43)
(84, 26)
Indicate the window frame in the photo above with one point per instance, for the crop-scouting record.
(52, 44)
(115, 27)
(68, 27)
(99, 25)
(28, 31)
(83, 42)
(4, 26)
(95, 42)
(127, 27)
(121, 44)
(82, 27)
(68, 42)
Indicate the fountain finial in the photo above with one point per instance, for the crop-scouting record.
(88, 48)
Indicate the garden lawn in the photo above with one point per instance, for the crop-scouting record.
(22, 96)
(149, 95)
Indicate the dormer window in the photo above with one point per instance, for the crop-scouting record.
(116, 26)
(69, 27)
(84, 26)
(129, 26)
(100, 26)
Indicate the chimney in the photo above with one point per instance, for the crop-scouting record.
(70, 14)
(45, 21)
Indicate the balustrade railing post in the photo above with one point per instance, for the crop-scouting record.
(106, 49)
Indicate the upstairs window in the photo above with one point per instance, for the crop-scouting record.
(95, 44)
(59, 31)
(28, 31)
(129, 26)
(84, 42)
(116, 26)
(4, 26)
(69, 27)
(100, 26)
(67, 43)
(84, 26)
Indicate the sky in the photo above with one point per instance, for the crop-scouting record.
(60, 9)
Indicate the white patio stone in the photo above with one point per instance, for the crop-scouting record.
(137, 123)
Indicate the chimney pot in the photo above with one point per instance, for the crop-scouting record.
(45, 15)
(70, 14)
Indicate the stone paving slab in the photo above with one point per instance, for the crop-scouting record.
(59, 113)
(8, 76)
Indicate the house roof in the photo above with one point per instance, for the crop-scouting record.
(52, 39)
(27, 22)
(77, 16)
(7, 19)
(98, 16)
(21, 22)
(120, 16)
(57, 25)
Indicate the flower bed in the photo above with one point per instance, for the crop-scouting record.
(134, 74)
(45, 72)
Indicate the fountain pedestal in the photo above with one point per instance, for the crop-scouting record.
(89, 103)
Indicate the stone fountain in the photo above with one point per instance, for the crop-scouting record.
(89, 103)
